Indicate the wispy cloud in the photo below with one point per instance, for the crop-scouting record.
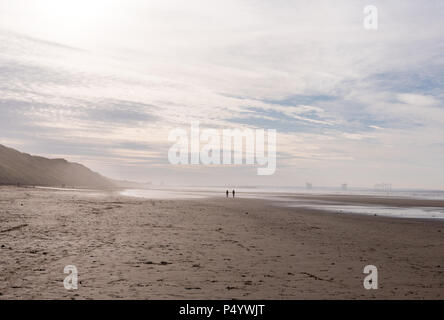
(348, 104)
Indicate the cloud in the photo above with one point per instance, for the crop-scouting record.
(339, 96)
(418, 100)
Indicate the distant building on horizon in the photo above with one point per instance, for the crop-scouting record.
(383, 187)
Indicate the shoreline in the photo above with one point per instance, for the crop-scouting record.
(386, 206)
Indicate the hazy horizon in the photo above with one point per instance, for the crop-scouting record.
(103, 83)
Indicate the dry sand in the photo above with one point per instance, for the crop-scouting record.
(128, 248)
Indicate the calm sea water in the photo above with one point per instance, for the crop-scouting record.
(276, 194)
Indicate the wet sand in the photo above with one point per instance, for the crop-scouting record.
(369, 200)
(131, 248)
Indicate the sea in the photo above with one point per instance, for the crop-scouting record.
(282, 196)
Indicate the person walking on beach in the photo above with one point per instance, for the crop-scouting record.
(227, 193)
(233, 193)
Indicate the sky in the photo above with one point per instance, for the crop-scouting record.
(103, 83)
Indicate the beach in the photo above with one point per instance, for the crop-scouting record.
(209, 248)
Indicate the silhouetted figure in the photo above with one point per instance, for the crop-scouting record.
(227, 193)
(234, 193)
